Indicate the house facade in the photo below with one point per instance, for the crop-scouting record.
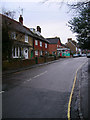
(54, 44)
(72, 45)
(27, 43)
(21, 37)
(57, 48)
(40, 44)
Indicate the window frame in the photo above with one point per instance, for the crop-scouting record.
(40, 43)
(36, 42)
(26, 38)
(45, 45)
(13, 35)
(36, 52)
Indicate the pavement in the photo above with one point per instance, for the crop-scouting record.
(80, 99)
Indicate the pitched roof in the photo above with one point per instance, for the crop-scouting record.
(53, 40)
(14, 25)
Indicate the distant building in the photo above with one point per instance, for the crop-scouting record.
(57, 48)
(54, 43)
(72, 45)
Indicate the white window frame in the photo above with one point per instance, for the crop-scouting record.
(36, 42)
(40, 44)
(26, 38)
(36, 52)
(13, 35)
(16, 51)
(41, 53)
(45, 45)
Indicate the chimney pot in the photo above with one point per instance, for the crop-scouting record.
(38, 29)
(21, 19)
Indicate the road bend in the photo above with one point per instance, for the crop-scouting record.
(41, 92)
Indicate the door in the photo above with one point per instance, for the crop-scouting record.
(26, 53)
(32, 54)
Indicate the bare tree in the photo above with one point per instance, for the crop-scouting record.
(9, 13)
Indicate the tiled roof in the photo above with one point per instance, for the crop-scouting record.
(53, 40)
(14, 25)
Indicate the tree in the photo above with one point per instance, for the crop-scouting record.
(6, 41)
(81, 25)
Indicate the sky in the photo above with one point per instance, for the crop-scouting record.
(51, 16)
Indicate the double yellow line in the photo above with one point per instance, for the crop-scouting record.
(70, 98)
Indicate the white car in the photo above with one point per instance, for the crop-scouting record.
(83, 55)
(75, 55)
(88, 55)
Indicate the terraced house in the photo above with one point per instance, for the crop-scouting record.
(57, 48)
(25, 42)
(20, 36)
(40, 43)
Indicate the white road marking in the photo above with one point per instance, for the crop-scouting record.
(1, 92)
(35, 77)
(40, 74)
(29, 80)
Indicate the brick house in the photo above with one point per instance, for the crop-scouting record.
(54, 44)
(21, 37)
(72, 45)
(40, 44)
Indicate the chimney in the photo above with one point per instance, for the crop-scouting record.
(69, 39)
(21, 19)
(38, 29)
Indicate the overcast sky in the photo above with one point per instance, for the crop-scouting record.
(50, 16)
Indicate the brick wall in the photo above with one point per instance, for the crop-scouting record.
(52, 48)
(15, 64)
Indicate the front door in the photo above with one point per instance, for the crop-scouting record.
(32, 54)
(26, 53)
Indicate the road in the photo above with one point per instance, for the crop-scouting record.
(41, 92)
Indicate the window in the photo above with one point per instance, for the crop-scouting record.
(36, 42)
(36, 52)
(26, 38)
(40, 44)
(45, 45)
(13, 35)
(40, 52)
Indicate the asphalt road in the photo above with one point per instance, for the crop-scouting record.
(41, 92)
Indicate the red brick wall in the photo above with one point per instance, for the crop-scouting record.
(52, 48)
(39, 48)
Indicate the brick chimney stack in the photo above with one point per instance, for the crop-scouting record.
(69, 39)
(21, 19)
(38, 29)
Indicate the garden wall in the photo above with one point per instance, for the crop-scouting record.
(17, 63)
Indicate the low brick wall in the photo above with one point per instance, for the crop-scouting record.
(17, 63)
(41, 60)
(48, 59)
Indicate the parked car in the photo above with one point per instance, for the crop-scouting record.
(75, 55)
(88, 55)
(83, 55)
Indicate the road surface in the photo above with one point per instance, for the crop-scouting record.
(41, 92)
